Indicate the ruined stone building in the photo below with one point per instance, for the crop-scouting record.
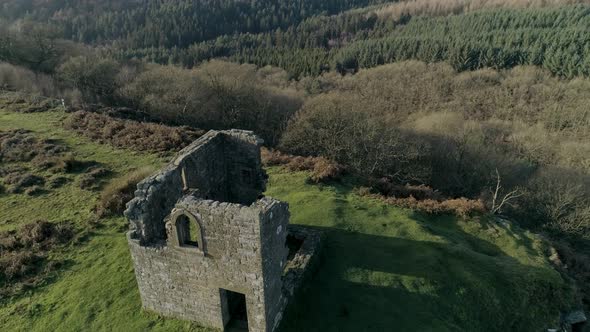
(207, 246)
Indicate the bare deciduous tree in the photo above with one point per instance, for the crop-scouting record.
(500, 199)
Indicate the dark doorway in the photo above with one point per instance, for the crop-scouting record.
(235, 311)
(578, 327)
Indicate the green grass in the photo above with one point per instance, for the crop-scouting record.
(386, 268)
(96, 291)
(69, 202)
(383, 268)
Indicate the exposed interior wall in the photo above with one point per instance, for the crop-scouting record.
(244, 168)
(204, 169)
(221, 165)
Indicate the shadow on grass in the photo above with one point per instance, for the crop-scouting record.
(441, 225)
(378, 283)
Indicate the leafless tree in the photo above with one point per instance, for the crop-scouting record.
(500, 199)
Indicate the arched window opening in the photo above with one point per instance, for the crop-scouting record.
(189, 232)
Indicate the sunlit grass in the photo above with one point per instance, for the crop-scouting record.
(386, 268)
(383, 268)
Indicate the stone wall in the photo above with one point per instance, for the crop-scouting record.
(181, 282)
(305, 260)
(214, 185)
(214, 165)
(273, 229)
(244, 168)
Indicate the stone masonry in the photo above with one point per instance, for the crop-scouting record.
(205, 242)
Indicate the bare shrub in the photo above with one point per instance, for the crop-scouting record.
(19, 264)
(15, 78)
(21, 149)
(67, 163)
(27, 103)
(322, 169)
(41, 105)
(57, 164)
(557, 201)
(271, 157)
(24, 258)
(34, 191)
(363, 191)
(11, 169)
(299, 163)
(57, 182)
(325, 170)
(34, 234)
(464, 207)
(20, 182)
(118, 112)
(387, 187)
(119, 191)
(342, 128)
(21, 145)
(215, 95)
(461, 207)
(91, 180)
(43, 234)
(140, 136)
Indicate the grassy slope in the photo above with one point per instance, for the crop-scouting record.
(97, 291)
(69, 202)
(384, 268)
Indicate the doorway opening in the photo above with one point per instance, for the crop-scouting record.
(235, 311)
(578, 327)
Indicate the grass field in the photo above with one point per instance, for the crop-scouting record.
(383, 268)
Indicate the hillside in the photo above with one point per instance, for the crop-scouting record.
(554, 38)
(304, 37)
(442, 146)
(382, 266)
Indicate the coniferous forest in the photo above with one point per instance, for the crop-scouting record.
(311, 37)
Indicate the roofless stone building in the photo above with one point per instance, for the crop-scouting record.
(207, 246)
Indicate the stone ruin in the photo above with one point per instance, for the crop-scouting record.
(207, 246)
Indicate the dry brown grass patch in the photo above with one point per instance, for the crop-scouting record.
(322, 169)
(139, 136)
(387, 187)
(461, 207)
(24, 253)
(21, 146)
(119, 191)
(92, 179)
(27, 103)
(20, 182)
(27, 163)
